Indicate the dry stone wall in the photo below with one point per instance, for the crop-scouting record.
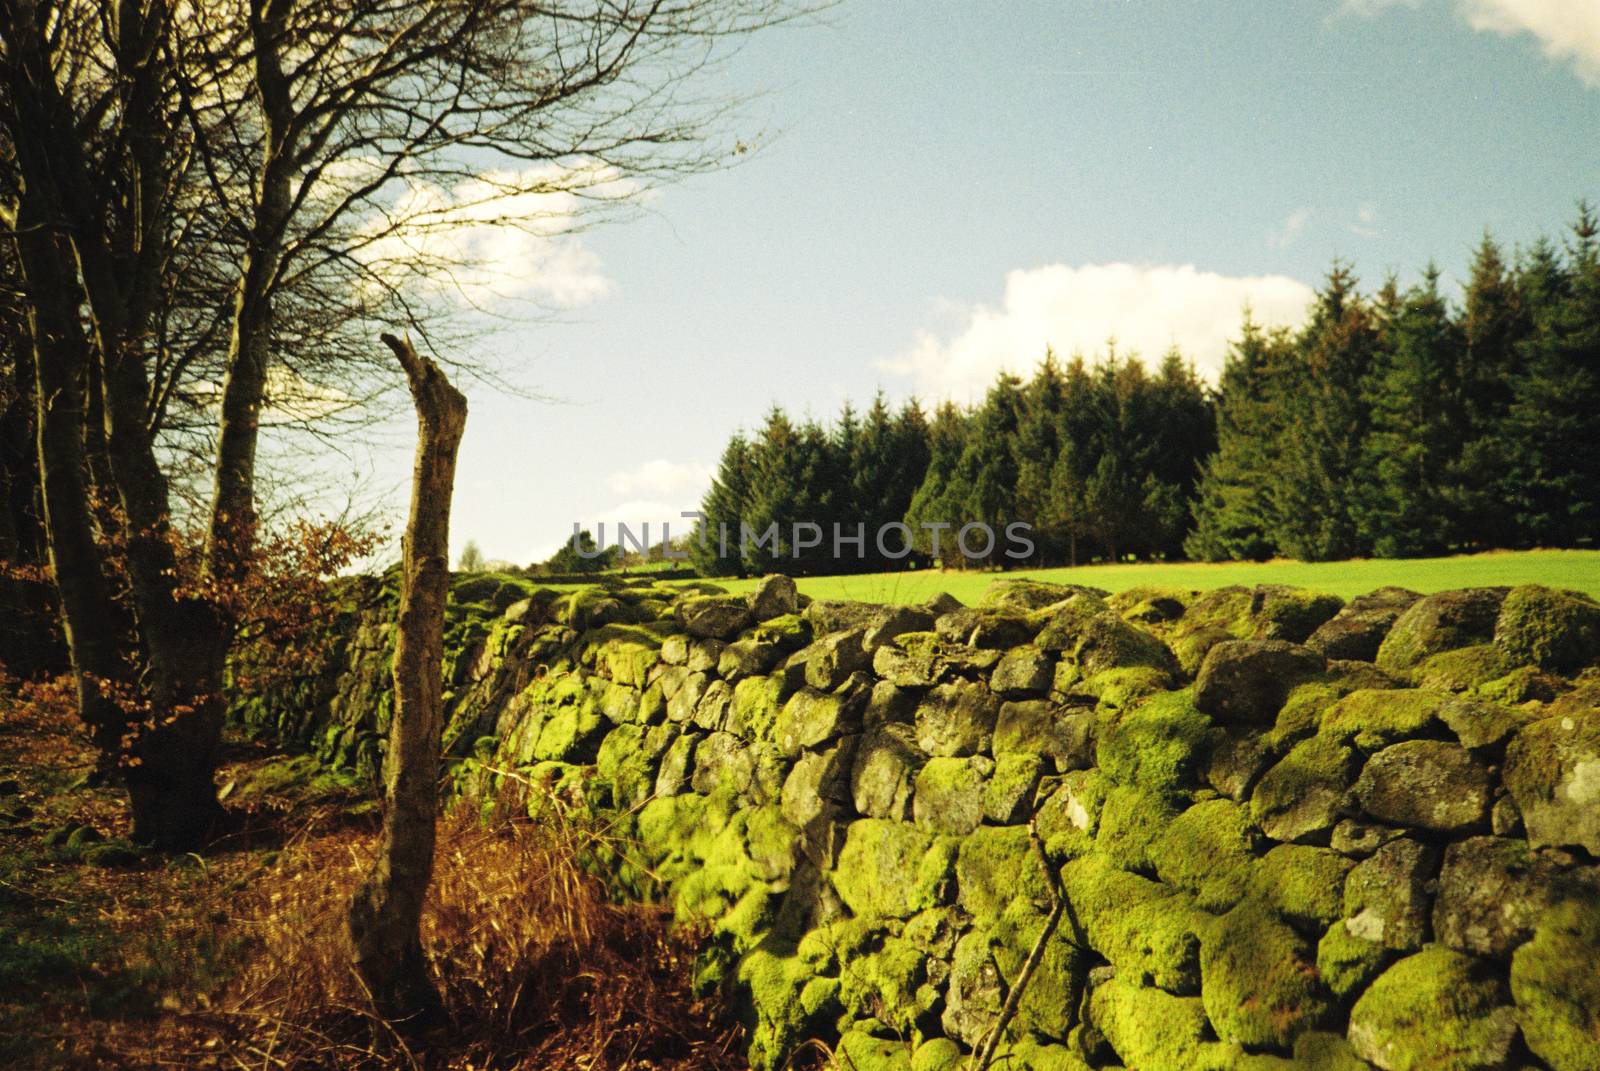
(1241, 829)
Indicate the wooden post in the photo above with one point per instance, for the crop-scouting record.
(386, 911)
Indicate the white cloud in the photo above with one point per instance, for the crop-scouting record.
(1566, 29)
(500, 236)
(1291, 229)
(1366, 224)
(660, 478)
(1147, 309)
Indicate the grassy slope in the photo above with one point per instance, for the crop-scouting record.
(1578, 569)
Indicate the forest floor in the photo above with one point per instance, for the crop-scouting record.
(233, 958)
(1576, 569)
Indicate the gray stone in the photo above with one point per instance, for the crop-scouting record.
(1426, 783)
(711, 713)
(1358, 630)
(942, 603)
(1479, 723)
(672, 776)
(1038, 726)
(1236, 760)
(973, 999)
(890, 702)
(919, 659)
(1552, 770)
(1022, 671)
(834, 657)
(774, 596)
(884, 774)
(1504, 818)
(1009, 795)
(956, 719)
(1303, 795)
(836, 615)
(895, 623)
(747, 658)
(1440, 622)
(1247, 681)
(704, 655)
(675, 649)
(818, 786)
(1018, 593)
(682, 702)
(1361, 839)
(1492, 891)
(949, 794)
(811, 718)
(992, 629)
(718, 617)
(722, 759)
(1386, 897)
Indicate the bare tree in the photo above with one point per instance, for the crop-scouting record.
(386, 912)
(208, 202)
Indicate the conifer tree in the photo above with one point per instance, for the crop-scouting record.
(712, 553)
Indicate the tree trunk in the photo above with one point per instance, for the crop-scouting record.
(386, 912)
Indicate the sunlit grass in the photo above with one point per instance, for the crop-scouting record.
(1576, 569)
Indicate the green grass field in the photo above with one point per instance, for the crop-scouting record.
(1577, 569)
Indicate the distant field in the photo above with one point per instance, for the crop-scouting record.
(1577, 569)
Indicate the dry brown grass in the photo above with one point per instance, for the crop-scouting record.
(238, 959)
(536, 965)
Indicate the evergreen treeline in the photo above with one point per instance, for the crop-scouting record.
(1393, 424)
(1397, 425)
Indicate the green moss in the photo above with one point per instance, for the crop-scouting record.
(1259, 978)
(571, 734)
(1008, 794)
(1462, 669)
(1303, 883)
(1302, 712)
(1373, 718)
(624, 763)
(889, 983)
(949, 794)
(1157, 746)
(1051, 996)
(1131, 820)
(938, 1054)
(892, 869)
(1210, 851)
(771, 983)
(1435, 1009)
(1347, 963)
(996, 864)
(753, 712)
(1151, 934)
(1303, 793)
(863, 1052)
(1149, 1029)
(1125, 687)
(1554, 630)
(1557, 989)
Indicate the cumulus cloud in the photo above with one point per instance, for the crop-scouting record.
(1566, 29)
(660, 477)
(1147, 309)
(499, 236)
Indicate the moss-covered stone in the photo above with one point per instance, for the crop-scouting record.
(1557, 989)
(892, 869)
(861, 1050)
(811, 718)
(1068, 816)
(1554, 630)
(1209, 850)
(1022, 671)
(1131, 820)
(995, 865)
(949, 794)
(1259, 978)
(1348, 963)
(1427, 783)
(1386, 897)
(957, 719)
(1149, 1029)
(1157, 746)
(1151, 934)
(772, 983)
(937, 1054)
(1305, 884)
(1436, 1009)
(1303, 794)
(883, 777)
(754, 707)
(1117, 690)
(1552, 770)
(1440, 622)
(1049, 1002)
(888, 983)
(1246, 682)
(1040, 727)
(1374, 718)
(1463, 669)
(1008, 794)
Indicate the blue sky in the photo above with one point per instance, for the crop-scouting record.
(952, 185)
